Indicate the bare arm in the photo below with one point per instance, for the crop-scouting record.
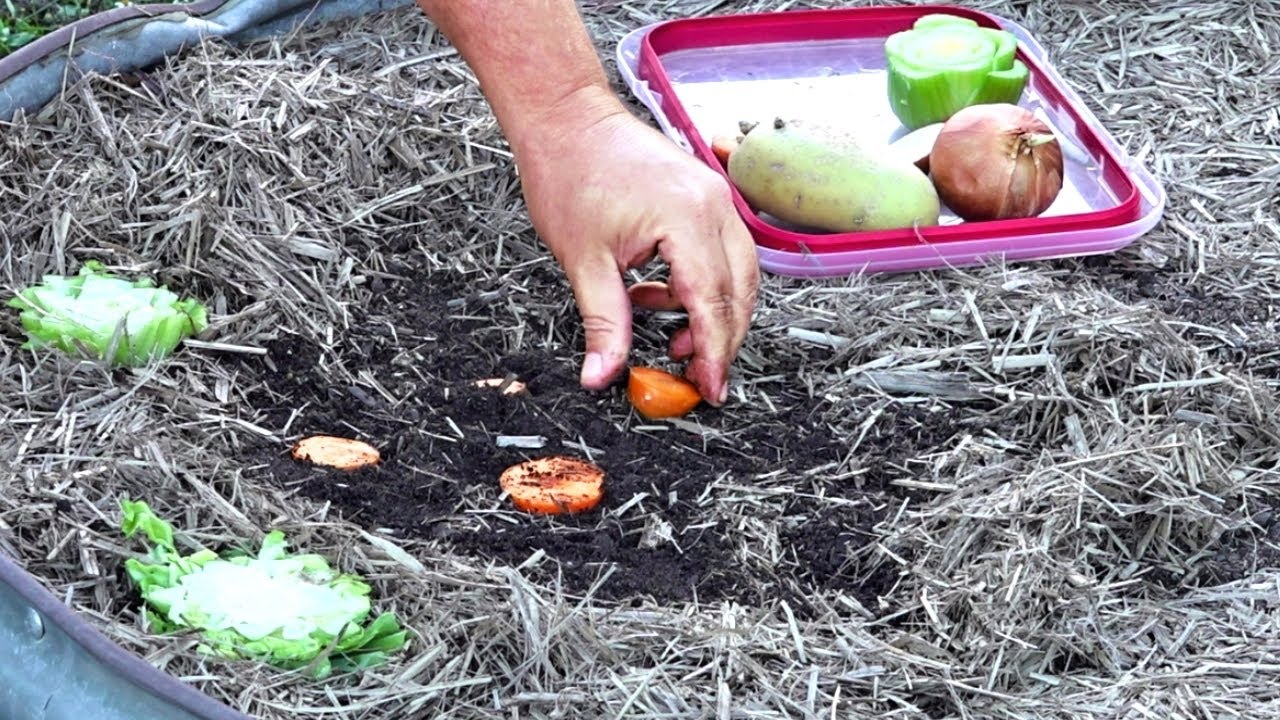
(534, 60)
(606, 192)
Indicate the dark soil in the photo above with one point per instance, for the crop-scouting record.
(425, 341)
(1246, 551)
(1193, 303)
(1246, 333)
(1248, 325)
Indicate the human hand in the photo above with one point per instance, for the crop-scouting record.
(607, 193)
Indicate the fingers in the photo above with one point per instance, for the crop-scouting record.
(654, 295)
(744, 263)
(714, 277)
(681, 346)
(605, 309)
(711, 354)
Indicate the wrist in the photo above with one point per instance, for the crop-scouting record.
(544, 131)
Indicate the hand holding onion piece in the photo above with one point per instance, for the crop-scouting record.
(996, 161)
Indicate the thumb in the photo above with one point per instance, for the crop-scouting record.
(605, 309)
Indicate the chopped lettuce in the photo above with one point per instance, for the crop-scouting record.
(291, 611)
(128, 322)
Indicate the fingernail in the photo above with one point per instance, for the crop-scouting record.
(592, 367)
(723, 394)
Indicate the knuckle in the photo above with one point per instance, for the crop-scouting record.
(714, 303)
(596, 324)
(707, 192)
(714, 192)
(721, 307)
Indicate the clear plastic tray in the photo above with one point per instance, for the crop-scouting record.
(1108, 198)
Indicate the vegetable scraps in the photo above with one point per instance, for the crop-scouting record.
(290, 611)
(553, 485)
(659, 394)
(336, 452)
(722, 146)
(945, 63)
(126, 322)
(828, 178)
(996, 161)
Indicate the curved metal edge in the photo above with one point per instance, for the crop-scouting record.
(64, 36)
(129, 666)
(137, 37)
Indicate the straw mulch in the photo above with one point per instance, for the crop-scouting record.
(1096, 539)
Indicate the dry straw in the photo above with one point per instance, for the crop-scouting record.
(1094, 532)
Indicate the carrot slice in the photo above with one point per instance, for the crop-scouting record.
(554, 485)
(722, 146)
(515, 387)
(658, 394)
(336, 452)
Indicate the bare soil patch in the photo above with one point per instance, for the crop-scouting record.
(661, 535)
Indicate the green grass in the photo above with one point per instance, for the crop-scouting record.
(25, 21)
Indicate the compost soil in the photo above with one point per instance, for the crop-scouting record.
(1246, 323)
(426, 340)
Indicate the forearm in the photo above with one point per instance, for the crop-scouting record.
(533, 58)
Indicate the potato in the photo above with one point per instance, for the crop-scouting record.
(821, 178)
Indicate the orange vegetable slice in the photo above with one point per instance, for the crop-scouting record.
(722, 146)
(554, 485)
(658, 394)
(515, 387)
(336, 452)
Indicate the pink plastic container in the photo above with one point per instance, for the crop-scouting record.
(700, 76)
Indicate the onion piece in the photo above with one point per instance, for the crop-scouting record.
(995, 162)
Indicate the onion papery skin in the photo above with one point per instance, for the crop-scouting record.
(996, 162)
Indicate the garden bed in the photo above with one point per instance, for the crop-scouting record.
(1039, 490)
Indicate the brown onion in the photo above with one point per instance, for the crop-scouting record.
(996, 161)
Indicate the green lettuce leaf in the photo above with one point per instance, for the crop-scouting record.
(126, 322)
(291, 611)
